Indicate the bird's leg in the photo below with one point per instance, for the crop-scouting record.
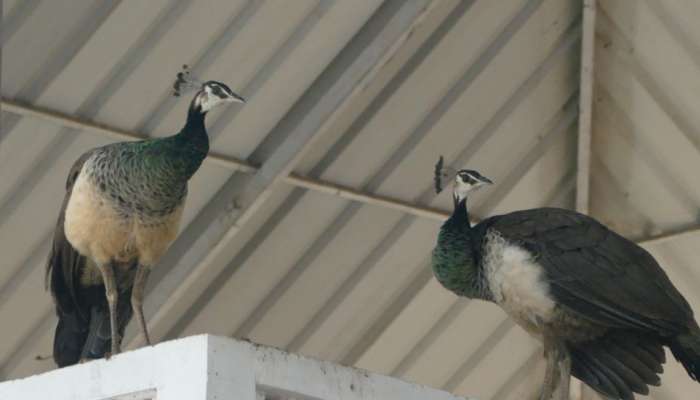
(107, 271)
(548, 385)
(558, 370)
(563, 364)
(137, 299)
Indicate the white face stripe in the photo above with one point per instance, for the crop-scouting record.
(206, 99)
(462, 187)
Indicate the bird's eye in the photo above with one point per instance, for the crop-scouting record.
(467, 178)
(217, 91)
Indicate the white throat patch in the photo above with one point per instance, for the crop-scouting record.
(206, 100)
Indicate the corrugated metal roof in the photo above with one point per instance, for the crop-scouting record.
(491, 85)
(647, 139)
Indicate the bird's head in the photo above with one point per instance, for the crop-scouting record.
(465, 180)
(215, 93)
(468, 180)
(210, 94)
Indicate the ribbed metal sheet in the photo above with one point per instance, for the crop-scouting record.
(493, 85)
(646, 139)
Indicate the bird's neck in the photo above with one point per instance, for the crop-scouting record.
(455, 261)
(191, 145)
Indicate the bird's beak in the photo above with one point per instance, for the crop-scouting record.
(486, 181)
(236, 98)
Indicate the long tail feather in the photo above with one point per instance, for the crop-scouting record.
(618, 364)
(686, 349)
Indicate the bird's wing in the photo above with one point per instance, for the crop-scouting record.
(595, 272)
(64, 261)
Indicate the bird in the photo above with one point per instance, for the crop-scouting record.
(121, 211)
(600, 304)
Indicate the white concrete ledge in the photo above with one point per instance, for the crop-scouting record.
(209, 367)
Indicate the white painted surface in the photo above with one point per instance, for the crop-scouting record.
(210, 367)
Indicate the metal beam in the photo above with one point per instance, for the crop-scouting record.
(329, 188)
(241, 196)
(585, 118)
(583, 175)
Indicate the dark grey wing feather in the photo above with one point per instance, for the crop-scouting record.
(63, 258)
(597, 273)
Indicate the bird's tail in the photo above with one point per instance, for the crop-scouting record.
(79, 339)
(618, 364)
(71, 332)
(72, 328)
(686, 349)
(98, 340)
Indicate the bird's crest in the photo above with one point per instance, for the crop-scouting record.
(438, 175)
(185, 82)
(442, 174)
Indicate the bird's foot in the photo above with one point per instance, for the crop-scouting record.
(116, 346)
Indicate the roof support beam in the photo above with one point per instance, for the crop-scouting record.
(242, 195)
(583, 162)
(586, 107)
(329, 188)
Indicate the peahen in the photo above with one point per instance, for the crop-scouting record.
(600, 303)
(121, 211)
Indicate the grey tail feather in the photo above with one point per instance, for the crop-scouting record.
(686, 349)
(98, 340)
(69, 338)
(618, 364)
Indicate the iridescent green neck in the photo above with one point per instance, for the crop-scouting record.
(453, 259)
(192, 142)
(181, 155)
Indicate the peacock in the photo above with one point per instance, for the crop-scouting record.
(601, 304)
(121, 211)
